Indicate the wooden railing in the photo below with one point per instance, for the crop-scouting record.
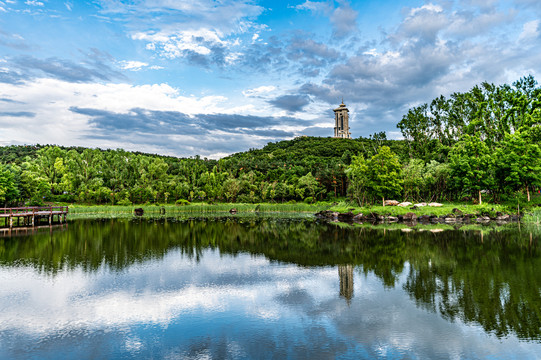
(33, 210)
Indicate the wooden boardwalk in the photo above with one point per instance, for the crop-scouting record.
(30, 230)
(32, 216)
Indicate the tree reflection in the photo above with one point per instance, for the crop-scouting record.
(491, 279)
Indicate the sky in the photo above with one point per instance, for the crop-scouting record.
(211, 78)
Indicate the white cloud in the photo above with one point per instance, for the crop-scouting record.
(132, 65)
(259, 91)
(428, 7)
(530, 30)
(200, 32)
(179, 44)
(34, 3)
(51, 101)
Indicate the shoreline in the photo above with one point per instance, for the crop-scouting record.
(447, 214)
(413, 218)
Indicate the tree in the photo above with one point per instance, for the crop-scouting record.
(357, 173)
(309, 185)
(414, 179)
(519, 162)
(384, 172)
(471, 165)
(8, 186)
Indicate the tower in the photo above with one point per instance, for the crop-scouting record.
(341, 122)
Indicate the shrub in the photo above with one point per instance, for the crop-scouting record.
(124, 202)
(309, 200)
(182, 202)
(36, 201)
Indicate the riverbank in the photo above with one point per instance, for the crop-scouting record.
(447, 213)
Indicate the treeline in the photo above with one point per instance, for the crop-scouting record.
(303, 169)
(482, 141)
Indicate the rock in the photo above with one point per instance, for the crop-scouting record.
(424, 218)
(457, 211)
(406, 230)
(420, 204)
(345, 216)
(372, 216)
(327, 214)
(413, 207)
(435, 204)
(392, 219)
(404, 204)
(359, 217)
(483, 219)
(139, 212)
(503, 217)
(233, 211)
(436, 230)
(391, 203)
(410, 216)
(450, 219)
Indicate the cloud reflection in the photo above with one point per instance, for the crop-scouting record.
(243, 305)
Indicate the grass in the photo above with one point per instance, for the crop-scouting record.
(534, 216)
(485, 209)
(198, 208)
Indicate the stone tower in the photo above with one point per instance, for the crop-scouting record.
(341, 122)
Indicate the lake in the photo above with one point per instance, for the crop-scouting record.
(266, 287)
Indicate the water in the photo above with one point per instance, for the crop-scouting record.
(266, 288)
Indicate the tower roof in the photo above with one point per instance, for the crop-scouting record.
(341, 107)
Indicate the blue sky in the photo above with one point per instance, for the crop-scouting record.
(217, 77)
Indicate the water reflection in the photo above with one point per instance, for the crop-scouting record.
(257, 288)
(345, 273)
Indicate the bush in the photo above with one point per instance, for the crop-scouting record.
(124, 202)
(309, 200)
(36, 201)
(65, 198)
(182, 202)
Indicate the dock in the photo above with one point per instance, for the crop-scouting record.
(32, 216)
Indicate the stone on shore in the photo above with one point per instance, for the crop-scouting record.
(404, 204)
(435, 204)
(410, 216)
(391, 203)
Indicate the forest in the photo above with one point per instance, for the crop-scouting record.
(481, 145)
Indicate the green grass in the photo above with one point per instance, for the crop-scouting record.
(534, 216)
(198, 208)
(485, 209)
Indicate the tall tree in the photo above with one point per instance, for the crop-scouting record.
(384, 172)
(471, 165)
(519, 162)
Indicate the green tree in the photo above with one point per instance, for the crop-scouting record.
(310, 185)
(519, 163)
(8, 186)
(357, 173)
(384, 171)
(472, 165)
